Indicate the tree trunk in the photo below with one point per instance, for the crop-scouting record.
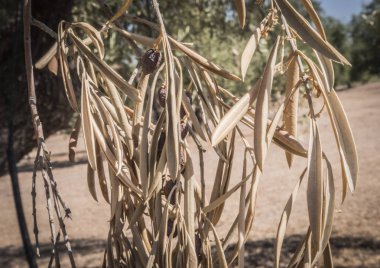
(55, 113)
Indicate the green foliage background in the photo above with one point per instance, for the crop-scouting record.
(214, 29)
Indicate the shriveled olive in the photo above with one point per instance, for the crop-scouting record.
(162, 95)
(150, 61)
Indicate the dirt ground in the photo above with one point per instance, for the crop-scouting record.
(356, 234)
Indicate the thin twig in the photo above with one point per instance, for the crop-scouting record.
(108, 12)
(42, 158)
(52, 256)
(42, 26)
(34, 194)
(29, 72)
(50, 213)
(54, 184)
(56, 200)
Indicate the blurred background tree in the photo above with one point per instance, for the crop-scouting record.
(211, 25)
(339, 35)
(15, 119)
(365, 33)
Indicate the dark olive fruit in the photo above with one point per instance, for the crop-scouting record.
(184, 127)
(150, 61)
(169, 185)
(170, 226)
(162, 95)
(198, 247)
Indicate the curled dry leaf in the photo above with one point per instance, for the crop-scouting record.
(240, 7)
(285, 219)
(308, 34)
(249, 50)
(291, 107)
(251, 46)
(203, 61)
(91, 182)
(235, 114)
(329, 204)
(324, 62)
(101, 174)
(315, 185)
(88, 132)
(346, 141)
(342, 130)
(64, 66)
(152, 185)
(53, 64)
(172, 133)
(47, 57)
(106, 69)
(262, 104)
(93, 34)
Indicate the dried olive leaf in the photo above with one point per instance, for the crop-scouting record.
(205, 63)
(88, 132)
(308, 34)
(315, 185)
(291, 108)
(103, 67)
(285, 219)
(235, 114)
(91, 182)
(261, 115)
(240, 7)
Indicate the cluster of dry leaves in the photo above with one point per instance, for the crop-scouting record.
(160, 213)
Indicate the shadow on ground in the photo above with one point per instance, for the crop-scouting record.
(27, 167)
(353, 252)
(13, 256)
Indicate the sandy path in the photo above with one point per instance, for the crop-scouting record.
(356, 234)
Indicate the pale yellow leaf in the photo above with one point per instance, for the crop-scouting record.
(88, 132)
(284, 221)
(205, 63)
(262, 104)
(240, 7)
(308, 34)
(235, 114)
(91, 182)
(315, 186)
(291, 108)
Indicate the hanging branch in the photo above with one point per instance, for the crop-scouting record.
(43, 156)
(171, 214)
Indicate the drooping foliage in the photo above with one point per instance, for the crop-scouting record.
(164, 211)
